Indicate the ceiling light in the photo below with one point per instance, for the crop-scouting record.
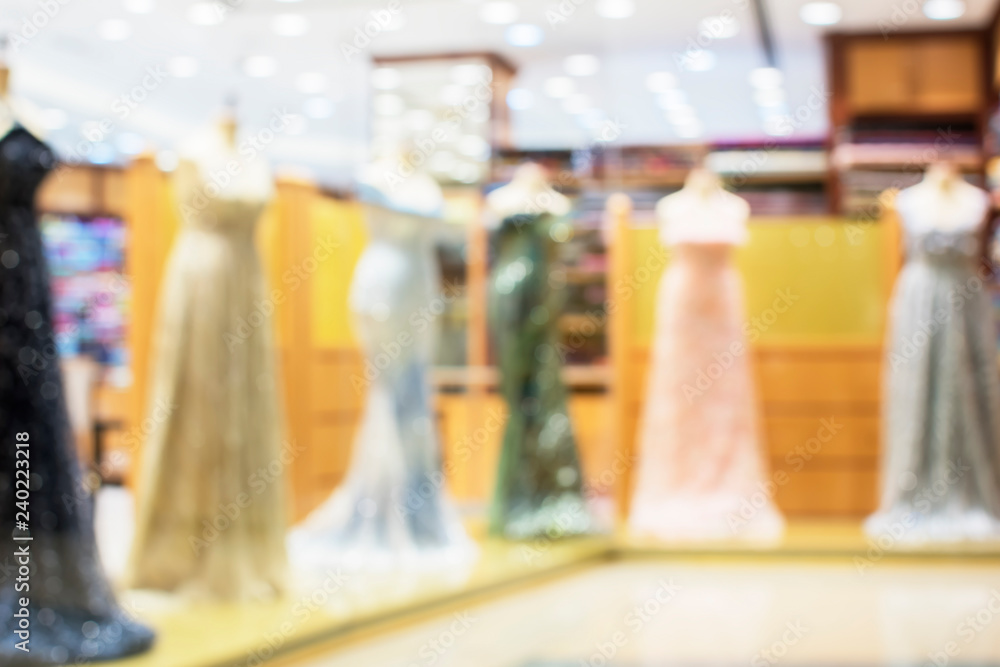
(524, 34)
(205, 13)
(699, 60)
(520, 99)
(183, 67)
(311, 83)
(388, 104)
(471, 75)
(475, 147)
(615, 9)
(559, 87)
(317, 108)
(139, 6)
(766, 77)
(821, 13)
(260, 66)
(289, 25)
(386, 78)
(54, 119)
(582, 64)
(720, 27)
(114, 30)
(944, 10)
(499, 13)
(659, 82)
(682, 115)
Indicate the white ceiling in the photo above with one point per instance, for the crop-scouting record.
(68, 66)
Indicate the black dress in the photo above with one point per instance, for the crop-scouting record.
(73, 612)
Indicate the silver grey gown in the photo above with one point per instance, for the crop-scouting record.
(941, 423)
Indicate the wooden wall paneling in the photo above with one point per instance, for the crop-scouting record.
(879, 75)
(948, 74)
(152, 223)
(293, 209)
(623, 387)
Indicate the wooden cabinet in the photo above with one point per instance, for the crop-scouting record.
(925, 74)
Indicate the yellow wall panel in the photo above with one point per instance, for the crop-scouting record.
(338, 238)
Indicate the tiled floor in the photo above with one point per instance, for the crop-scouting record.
(642, 613)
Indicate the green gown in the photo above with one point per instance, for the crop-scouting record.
(539, 488)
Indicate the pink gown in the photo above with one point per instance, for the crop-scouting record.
(701, 475)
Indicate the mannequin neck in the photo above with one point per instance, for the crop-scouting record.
(941, 177)
(4, 83)
(227, 128)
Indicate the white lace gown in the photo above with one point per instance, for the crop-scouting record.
(211, 516)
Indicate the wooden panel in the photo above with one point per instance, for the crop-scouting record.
(948, 74)
(879, 75)
(70, 190)
(815, 491)
(113, 192)
(832, 433)
(819, 375)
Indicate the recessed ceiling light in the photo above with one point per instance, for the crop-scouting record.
(139, 6)
(260, 67)
(205, 13)
(289, 25)
(582, 64)
(54, 119)
(471, 75)
(577, 103)
(311, 83)
(699, 60)
(615, 9)
(660, 82)
(318, 108)
(524, 34)
(114, 30)
(520, 99)
(723, 26)
(388, 104)
(386, 78)
(183, 67)
(821, 13)
(499, 13)
(475, 147)
(944, 10)
(559, 87)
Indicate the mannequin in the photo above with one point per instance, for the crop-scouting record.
(72, 608)
(941, 424)
(700, 457)
(539, 489)
(221, 376)
(392, 515)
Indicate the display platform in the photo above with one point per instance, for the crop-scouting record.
(341, 610)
